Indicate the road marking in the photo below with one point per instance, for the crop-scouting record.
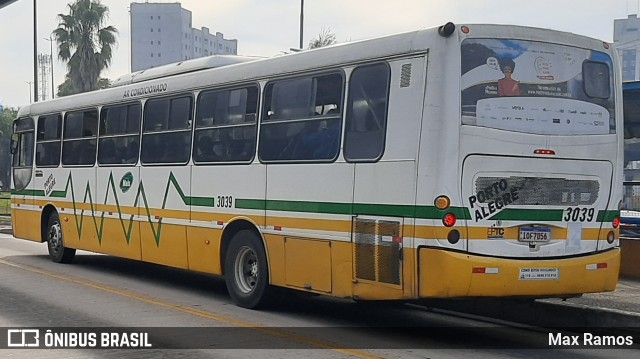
(199, 313)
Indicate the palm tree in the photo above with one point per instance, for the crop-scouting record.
(325, 38)
(85, 43)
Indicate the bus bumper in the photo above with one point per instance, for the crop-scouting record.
(446, 274)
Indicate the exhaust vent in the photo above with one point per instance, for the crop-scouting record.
(405, 75)
(378, 250)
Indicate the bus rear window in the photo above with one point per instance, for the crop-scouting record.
(596, 79)
(535, 87)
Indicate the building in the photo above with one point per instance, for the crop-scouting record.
(626, 37)
(161, 33)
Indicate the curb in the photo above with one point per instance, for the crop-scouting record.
(541, 313)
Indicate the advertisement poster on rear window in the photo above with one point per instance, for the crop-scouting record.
(535, 87)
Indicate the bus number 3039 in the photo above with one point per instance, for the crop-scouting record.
(579, 214)
(224, 201)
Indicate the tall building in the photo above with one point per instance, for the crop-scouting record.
(626, 37)
(161, 33)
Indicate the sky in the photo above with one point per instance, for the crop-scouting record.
(270, 27)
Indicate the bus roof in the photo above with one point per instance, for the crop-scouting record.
(227, 71)
(182, 67)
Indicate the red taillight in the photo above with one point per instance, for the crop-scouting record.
(545, 152)
(449, 219)
(616, 222)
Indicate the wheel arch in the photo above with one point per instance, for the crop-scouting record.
(236, 225)
(47, 211)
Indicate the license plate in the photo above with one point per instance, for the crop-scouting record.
(539, 274)
(534, 234)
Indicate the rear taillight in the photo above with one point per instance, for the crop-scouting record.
(544, 152)
(449, 219)
(616, 222)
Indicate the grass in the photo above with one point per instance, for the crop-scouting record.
(5, 203)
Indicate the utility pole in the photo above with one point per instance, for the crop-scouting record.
(301, 22)
(35, 50)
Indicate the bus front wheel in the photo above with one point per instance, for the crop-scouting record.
(55, 242)
(246, 272)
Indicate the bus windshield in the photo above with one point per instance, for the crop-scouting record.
(535, 87)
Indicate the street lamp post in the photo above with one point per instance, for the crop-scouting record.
(35, 50)
(301, 22)
(53, 85)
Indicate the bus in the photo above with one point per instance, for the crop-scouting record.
(458, 161)
(630, 211)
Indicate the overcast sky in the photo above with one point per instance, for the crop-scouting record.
(267, 27)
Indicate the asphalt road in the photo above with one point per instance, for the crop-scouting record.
(193, 312)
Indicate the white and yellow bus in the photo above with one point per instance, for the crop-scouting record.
(462, 161)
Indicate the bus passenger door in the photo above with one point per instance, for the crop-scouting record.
(22, 183)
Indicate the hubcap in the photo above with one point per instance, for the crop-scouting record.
(246, 270)
(55, 237)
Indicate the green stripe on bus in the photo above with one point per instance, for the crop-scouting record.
(28, 192)
(424, 212)
(187, 200)
(608, 216)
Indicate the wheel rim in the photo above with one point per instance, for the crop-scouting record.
(246, 270)
(55, 237)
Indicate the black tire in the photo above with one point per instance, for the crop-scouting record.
(246, 271)
(55, 241)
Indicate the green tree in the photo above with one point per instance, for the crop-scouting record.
(67, 88)
(85, 43)
(325, 38)
(6, 121)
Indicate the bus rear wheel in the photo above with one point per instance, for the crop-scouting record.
(246, 271)
(55, 242)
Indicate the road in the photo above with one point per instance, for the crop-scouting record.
(98, 291)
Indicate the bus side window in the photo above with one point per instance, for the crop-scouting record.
(302, 119)
(366, 121)
(48, 140)
(119, 134)
(22, 143)
(226, 125)
(80, 134)
(166, 137)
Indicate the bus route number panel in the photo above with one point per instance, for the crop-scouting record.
(534, 234)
